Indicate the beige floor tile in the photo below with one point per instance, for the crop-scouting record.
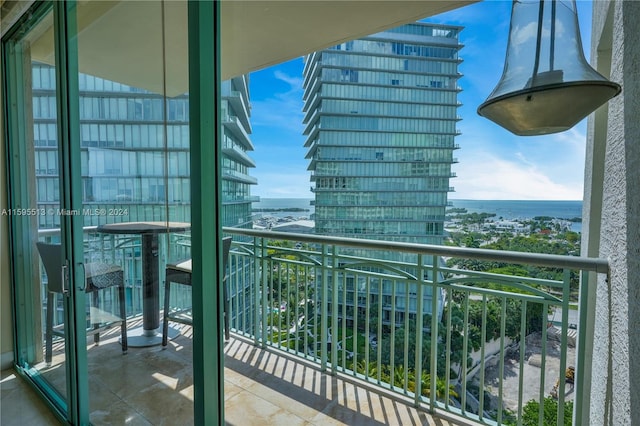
(248, 409)
(161, 406)
(119, 413)
(154, 386)
(20, 405)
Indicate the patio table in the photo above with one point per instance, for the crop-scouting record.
(149, 334)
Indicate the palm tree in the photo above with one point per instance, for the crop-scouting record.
(399, 378)
(441, 388)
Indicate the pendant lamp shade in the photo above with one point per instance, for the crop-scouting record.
(547, 86)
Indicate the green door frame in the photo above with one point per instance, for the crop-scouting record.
(206, 227)
(204, 89)
(71, 233)
(75, 409)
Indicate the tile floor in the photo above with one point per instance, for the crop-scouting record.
(152, 386)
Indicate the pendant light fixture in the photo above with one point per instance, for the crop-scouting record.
(547, 86)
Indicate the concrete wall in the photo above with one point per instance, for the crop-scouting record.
(613, 179)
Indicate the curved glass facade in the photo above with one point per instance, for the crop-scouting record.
(381, 115)
(131, 157)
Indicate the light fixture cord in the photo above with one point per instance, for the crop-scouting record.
(552, 41)
(538, 42)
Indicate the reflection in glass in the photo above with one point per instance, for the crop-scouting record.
(35, 177)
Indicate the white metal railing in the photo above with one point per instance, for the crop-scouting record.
(366, 309)
(342, 303)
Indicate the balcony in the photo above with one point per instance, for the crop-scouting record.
(262, 386)
(234, 151)
(240, 104)
(325, 330)
(239, 177)
(237, 129)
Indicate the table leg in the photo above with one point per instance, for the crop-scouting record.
(150, 334)
(150, 284)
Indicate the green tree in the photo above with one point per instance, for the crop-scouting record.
(531, 411)
(471, 242)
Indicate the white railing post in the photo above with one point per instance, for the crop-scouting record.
(584, 348)
(434, 333)
(324, 308)
(419, 329)
(563, 345)
(482, 311)
(334, 309)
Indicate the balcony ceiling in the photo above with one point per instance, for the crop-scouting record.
(257, 34)
(122, 40)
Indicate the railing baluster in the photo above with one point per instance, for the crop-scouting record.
(366, 328)
(434, 332)
(283, 285)
(334, 310)
(266, 273)
(297, 323)
(379, 332)
(543, 360)
(406, 337)
(354, 331)
(465, 351)
(503, 326)
(523, 334)
(343, 336)
(325, 301)
(483, 356)
(563, 345)
(392, 350)
(258, 267)
(419, 329)
(317, 306)
(447, 363)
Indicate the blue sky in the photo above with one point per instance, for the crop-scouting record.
(493, 163)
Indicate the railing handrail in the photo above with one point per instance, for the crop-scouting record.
(56, 231)
(550, 260)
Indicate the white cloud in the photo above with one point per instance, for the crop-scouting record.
(283, 109)
(284, 184)
(294, 82)
(522, 35)
(489, 177)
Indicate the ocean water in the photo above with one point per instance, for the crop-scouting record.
(520, 209)
(506, 209)
(285, 203)
(525, 209)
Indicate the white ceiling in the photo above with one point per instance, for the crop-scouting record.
(257, 34)
(123, 40)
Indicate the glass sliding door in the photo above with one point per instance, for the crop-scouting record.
(100, 112)
(41, 280)
(134, 161)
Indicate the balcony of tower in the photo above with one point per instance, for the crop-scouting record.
(235, 126)
(239, 106)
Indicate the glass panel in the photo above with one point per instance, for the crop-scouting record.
(35, 209)
(134, 114)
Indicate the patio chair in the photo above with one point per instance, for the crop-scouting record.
(98, 276)
(181, 274)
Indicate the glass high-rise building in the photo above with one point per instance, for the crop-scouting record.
(380, 125)
(236, 162)
(381, 115)
(135, 158)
